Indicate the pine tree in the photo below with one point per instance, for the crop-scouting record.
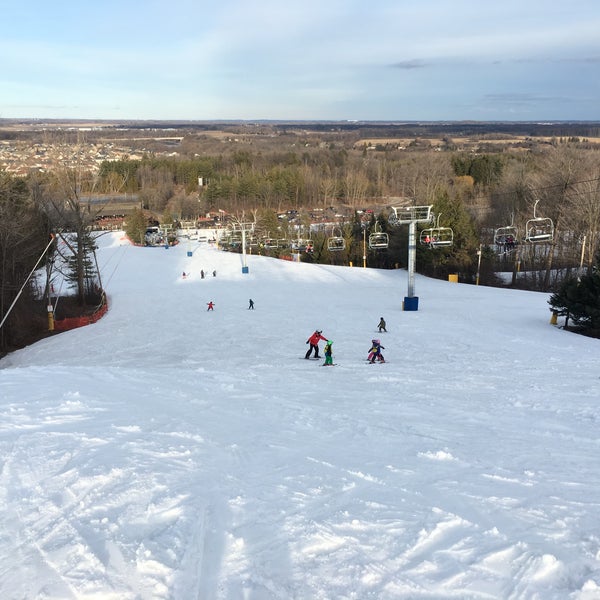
(82, 268)
(136, 226)
(579, 299)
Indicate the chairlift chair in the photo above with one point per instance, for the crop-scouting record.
(302, 245)
(442, 237)
(503, 235)
(437, 237)
(539, 230)
(378, 240)
(335, 243)
(505, 238)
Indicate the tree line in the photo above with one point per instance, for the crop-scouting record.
(473, 193)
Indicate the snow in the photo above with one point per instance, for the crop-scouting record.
(169, 452)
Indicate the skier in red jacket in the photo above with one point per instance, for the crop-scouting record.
(313, 340)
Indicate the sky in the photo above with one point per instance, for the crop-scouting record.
(168, 452)
(301, 59)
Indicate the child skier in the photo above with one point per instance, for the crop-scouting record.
(328, 354)
(375, 352)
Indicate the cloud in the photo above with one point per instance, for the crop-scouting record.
(415, 63)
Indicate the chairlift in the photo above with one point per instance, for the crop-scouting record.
(505, 238)
(437, 237)
(539, 229)
(302, 245)
(335, 243)
(378, 240)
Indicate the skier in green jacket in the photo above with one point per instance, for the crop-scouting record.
(328, 354)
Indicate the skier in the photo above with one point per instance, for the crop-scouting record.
(328, 354)
(382, 325)
(313, 340)
(211, 305)
(375, 352)
(251, 305)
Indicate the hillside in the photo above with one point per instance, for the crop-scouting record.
(169, 452)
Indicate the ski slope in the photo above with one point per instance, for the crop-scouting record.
(169, 452)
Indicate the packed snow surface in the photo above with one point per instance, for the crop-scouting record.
(171, 452)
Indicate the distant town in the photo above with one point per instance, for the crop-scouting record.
(35, 145)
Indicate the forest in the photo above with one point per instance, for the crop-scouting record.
(523, 211)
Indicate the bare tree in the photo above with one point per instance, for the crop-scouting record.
(23, 235)
(581, 213)
(560, 171)
(61, 198)
(356, 184)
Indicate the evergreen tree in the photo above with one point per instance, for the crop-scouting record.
(81, 264)
(579, 299)
(135, 227)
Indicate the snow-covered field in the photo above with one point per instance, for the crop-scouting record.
(171, 452)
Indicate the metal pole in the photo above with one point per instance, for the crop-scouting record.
(412, 256)
(364, 248)
(582, 253)
(244, 245)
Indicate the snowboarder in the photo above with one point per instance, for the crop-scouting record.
(201, 273)
(214, 273)
(251, 305)
(382, 325)
(328, 354)
(375, 352)
(211, 305)
(313, 340)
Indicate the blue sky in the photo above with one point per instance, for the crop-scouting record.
(308, 59)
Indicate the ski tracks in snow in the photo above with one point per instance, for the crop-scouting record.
(88, 513)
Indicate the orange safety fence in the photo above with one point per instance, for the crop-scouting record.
(74, 322)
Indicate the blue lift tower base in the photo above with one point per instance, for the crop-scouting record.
(410, 303)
